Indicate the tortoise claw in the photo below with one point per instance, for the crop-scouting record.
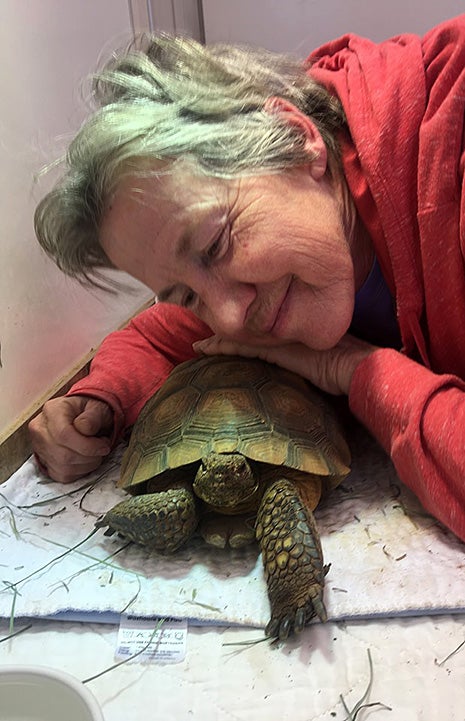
(299, 621)
(272, 628)
(279, 628)
(319, 609)
(294, 622)
(285, 628)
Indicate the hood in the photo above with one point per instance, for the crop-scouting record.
(384, 105)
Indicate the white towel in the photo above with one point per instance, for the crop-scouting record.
(387, 556)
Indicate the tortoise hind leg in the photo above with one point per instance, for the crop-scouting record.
(222, 531)
(292, 559)
(164, 521)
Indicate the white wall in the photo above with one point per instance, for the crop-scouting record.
(178, 17)
(298, 26)
(47, 322)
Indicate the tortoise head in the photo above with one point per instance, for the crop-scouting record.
(226, 481)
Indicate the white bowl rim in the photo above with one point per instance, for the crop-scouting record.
(57, 675)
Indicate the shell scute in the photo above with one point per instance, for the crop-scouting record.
(227, 404)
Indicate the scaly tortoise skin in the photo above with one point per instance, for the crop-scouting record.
(227, 440)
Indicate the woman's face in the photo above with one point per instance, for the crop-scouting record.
(262, 260)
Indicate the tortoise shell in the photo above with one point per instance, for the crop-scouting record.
(228, 404)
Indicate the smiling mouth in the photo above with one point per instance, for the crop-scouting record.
(265, 327)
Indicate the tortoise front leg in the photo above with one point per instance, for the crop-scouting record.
(292, 559)
(163, 521)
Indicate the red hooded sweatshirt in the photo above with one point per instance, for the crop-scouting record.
(405, 102)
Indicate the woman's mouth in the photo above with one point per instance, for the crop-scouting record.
(265, 324)
(281, 312)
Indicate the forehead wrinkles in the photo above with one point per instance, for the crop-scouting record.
(197, 194)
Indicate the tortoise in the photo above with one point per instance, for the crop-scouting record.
(239, 449)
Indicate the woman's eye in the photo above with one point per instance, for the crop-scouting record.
(217, 247)
(213, 249)
(188, 299)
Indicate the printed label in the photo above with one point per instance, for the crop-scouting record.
(152, 638)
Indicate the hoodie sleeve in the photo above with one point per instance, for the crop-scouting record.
(419, 418)
(131, 364)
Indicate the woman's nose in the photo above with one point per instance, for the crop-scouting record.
(227, 304)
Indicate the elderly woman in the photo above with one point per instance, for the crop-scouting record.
(309, 214)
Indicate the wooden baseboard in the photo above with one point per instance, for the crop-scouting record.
(15, 445)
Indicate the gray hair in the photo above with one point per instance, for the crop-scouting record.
(171, 99)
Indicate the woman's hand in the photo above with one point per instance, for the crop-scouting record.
(70, 436)
(330, 370)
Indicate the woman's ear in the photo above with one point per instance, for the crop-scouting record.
(314, 143)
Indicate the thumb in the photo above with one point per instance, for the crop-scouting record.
(94, 419)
